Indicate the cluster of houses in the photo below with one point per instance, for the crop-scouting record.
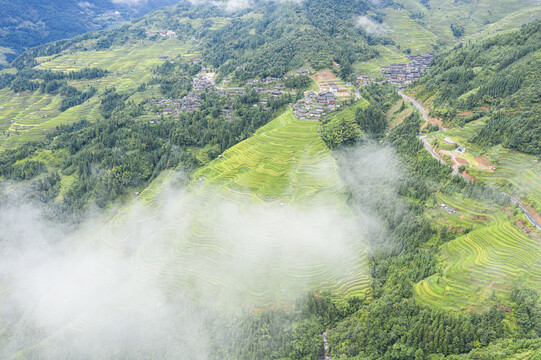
(192, 101)
(201, 83)
(337, 90)
(266, 80)
(231, 92)
(402, 73)
(164, 33)
(405, 73)
(315, 106)
(170, 107)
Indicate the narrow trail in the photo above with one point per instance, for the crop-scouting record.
(435, 155)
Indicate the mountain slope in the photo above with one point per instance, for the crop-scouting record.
(499, 79)
(24, 24)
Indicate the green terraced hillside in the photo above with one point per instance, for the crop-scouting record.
(481, 267)
(284, 171)
(28, 116)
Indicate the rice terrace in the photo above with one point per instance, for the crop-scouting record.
(261, 179)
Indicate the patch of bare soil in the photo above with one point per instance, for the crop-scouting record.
(465, 113)
(484, 163)
(325, 76)
(437, 121)
(469, 177)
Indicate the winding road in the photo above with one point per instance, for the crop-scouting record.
(435, 155)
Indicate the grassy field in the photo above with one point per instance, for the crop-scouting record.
(388, 55)
(408, 34)
(481, 267)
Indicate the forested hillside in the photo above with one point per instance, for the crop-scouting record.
(499, 79)
(25, 24)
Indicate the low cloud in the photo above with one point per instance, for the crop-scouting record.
(370, 26)
(151, 279)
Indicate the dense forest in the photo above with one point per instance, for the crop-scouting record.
(289, 35)
(500, 80)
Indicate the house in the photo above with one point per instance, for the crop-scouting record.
(449, 141)
(342, 90)
(462, 149)
(167, 33)
(168, 111)
(315, 114)
(448, 209)
(364, 79)
(164, 58)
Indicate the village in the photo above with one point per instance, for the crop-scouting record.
(402, 73)
(315, 106)
(204, 81)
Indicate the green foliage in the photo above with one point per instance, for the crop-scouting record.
(339, 134)
(372, 121)
(527, 312)
(34, 22)
(372, 333)
(286, 36)
(298, 82)
(502, 73)
(457, 30)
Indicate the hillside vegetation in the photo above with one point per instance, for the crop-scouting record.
(500, 80)
(226, 227)
(29, 23)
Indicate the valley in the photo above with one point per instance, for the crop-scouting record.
(276, 180)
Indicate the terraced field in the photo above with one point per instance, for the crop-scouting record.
(28, 116)
(284, 175)
(481, 267)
